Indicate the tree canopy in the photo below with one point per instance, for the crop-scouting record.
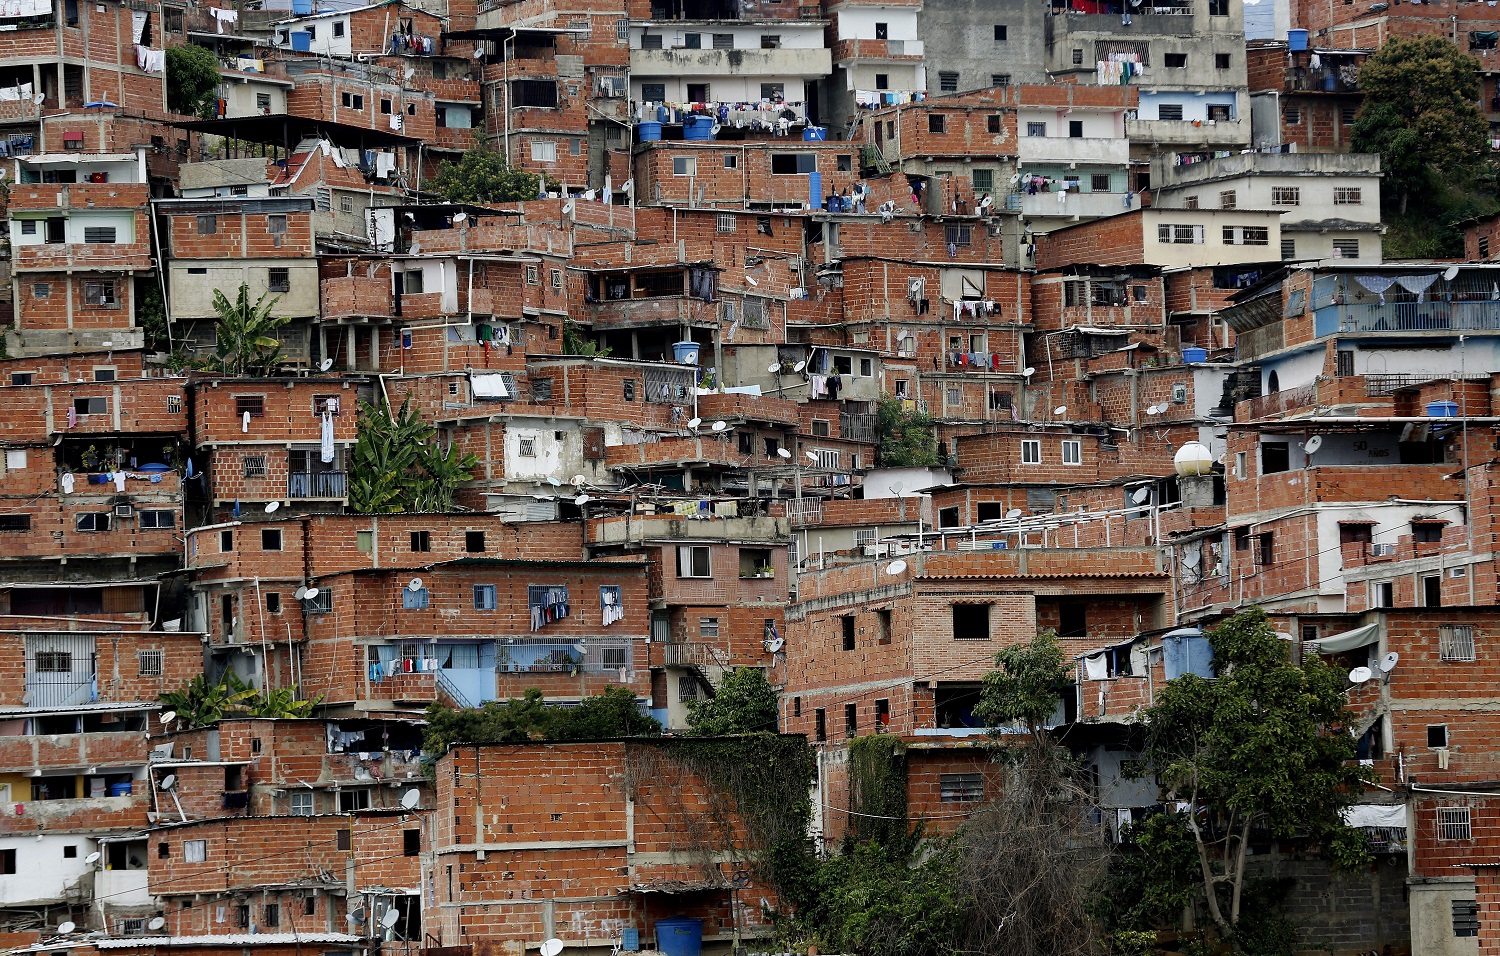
(612, 714)
(482, 176)
(1261, 746)
(192, 80)
(1026, 687)
(199, 703)
(1420, 114)
(906, 438)
(245, 334)
(745, 703)
(399, 464)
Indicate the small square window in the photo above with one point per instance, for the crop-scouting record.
(474, 542)
(947, 83)
(1221, 61)
(1031, 452)
(255, 466)
(208, 225)
(937, 123)
(149, 663)
(1437, 736)
(484, 597)
(364, 541)
(1175, 61)
(194, 851)
(1001, 33)
(421, 540)
(270, 539)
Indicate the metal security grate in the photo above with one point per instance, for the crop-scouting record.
(1456, 643)
(1453, 823)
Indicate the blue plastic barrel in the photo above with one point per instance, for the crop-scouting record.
(698, 127)
(302, 8)
(119, 789)
(1195, 356)
(649, 131)
(1296, 40)
(815, 134)
(686, 353)
(815, 190)
(301, 41)
(1442, 409)
(679, 937)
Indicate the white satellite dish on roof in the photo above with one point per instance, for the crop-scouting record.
(1141, 495)
(460, 216)
(895, 567)
(1360, 674)
(169, 782)
(92, 858)
(551, 480)
(66, 926)
(390, 918)
(799, 366)
(582, 500)
(1013, 513)
(415, 584)
(312, 594)
(775, 644)
(157, 922)
(578, 480)
(168, 716)
(1313, 444)
(1450, 273)
(718, 426)
(300, 593)
(1388, 662)
(326, 364)
(271, 507)
(694, 422)
(783, 453)
(1028, 371)
(551, 947)
(410, 799)
(774, 367)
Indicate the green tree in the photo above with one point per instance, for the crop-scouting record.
(1261, 746)
(614, 713)
(1420, 113)
(482, 176)
(1027, 686)
(399, 465)
(199, 703)
(246, 341)
(192, 80)
(904, 438)
(745, 703)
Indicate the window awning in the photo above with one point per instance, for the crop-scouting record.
(1347, 641)
(1376, 815)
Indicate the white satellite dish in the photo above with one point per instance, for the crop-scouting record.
(1141, 495)
(391, 917)
(157, 922)
(271, 507)
(582, 500)
(1360, 674)
(775, 644)
(551, 947)
(168, 716)
(895, 567)
(1028, 371)
(751, 280)
(410, 799)
(718, 426)
(92, 858)
(358, 916)
(1060, 410)
(694, 422)
(1313, 444)
(410, 72)
(578, 480)
(169, 781)
(415, 584)
(1153, 410)
(326, 364)
(1013, 513)
(66, 927)
(799, 366)
(312, 594)
(478, 52)
(553, 482)
(300, 593)
(812, 456)
(460, 216)
(1451, 273)
(1388, 662)
(774, 367)
(783, 453)
(568, 208)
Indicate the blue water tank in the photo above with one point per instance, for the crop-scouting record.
(649, 132)
(815, 190)
(1442, 409)
(698, 127)
(815, 134)
(119, 789)
(679, 937)
(301, 41)
(686, 353)
(1296, 40)
(1186, 651)
(302, 8)
(1195, 356)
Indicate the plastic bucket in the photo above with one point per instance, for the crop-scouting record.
(119, 789)
(302, 8)
(686, 353)
(679, 937)
(649, 131)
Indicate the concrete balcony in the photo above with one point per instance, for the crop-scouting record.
(1096, 151)
(1233, 132)
(348, 296)
(684, 63)
(35, 196)
(732, 406)
(671, 310)
(1085, 205)
(91, 256)
(678, 452)
(877, 50)
(634, 529)
(48, 752)
(1148, 21)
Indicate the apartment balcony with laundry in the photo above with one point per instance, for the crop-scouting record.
(728, 52)
(1419, 301)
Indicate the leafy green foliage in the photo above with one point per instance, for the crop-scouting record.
(884, 901)
(1152, 879)
(1027, 687)
(745, 703)
(1261, 746)
(877, 789)
(400, 466)
(904, 439)
(483, 177)
(199, 703)
(1420, 114)
(246, 340)
(575, 342)
(605, 716)
(151, 314)
(192, 80)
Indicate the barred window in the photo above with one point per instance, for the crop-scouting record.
(149, 663)
(961, 787)
(1456, 643)
(726, 223)
(1465, 917)
(1453, 823)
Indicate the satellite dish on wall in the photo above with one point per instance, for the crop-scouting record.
(390, 918)
(1450, 273)
(895, 567)
(774, 367)
(326, 364)
(775, 644)
(66, 927)
(1141, 495)
(578, 480)
(271, 507)
(799, 366)
(694, 422)
(92, 858)
(1153, 409)
(1360, 674)
(460, 216)
(551, 947)
(169, 782)
(1028, 371)
(783, 453)
(168, 716)
(1388, 662)
(1313, 444)
(312, 594)
(415, 584)
(300, 594)
(1013, 513)
(582, 500)
(812, 456)
(157, 922)
(410, 799)
(718, 426)
(1060, 410)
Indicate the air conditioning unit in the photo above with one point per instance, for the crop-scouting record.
(1382, 550)
(124, 511)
